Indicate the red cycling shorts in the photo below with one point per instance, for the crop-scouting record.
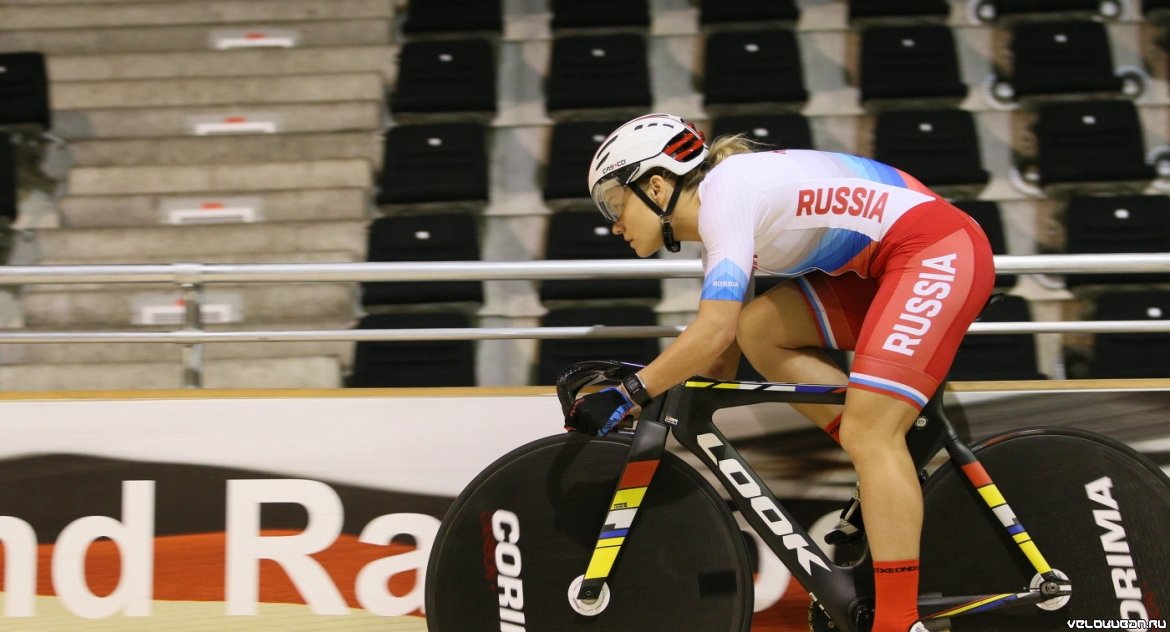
(931, 276)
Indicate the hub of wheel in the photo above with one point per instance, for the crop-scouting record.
(587, 607)
(1063, 590)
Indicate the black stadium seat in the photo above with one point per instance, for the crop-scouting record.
(992, 10)
(598, 71)
(713, 12)
(586, 235)
(987, 214)
(445, 76)
(434, 162)
(939, 147)
(24, 90)
(757, 66)
(413, 363)
(999, 356)
(447, 16)
(1090, 141)
(557, 354)
(1108, 224)
(8, 195)
(574, 14)
(895, 9)
(773, 131)
(429, 237)
(1066, 57)
(1132, 355)
(909, 62)
(570, 149)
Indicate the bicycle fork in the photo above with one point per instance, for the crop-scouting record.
(645, 454)
(1052, 584)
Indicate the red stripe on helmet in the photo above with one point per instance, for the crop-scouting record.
(688, 144)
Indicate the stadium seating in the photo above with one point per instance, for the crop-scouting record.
(445, 16)
(1132, 355)
(574, 14)
(413, 363)
(987, 214)
(585, 234)
(897, 10)
(556, 354)
(430, 237)
(1106, 224)
(772, 131)
(366, 104)
(756, 66)
(1061, 58)
(445, 76)
(718, 12)
(999, 10)
(999, 356)
(939, 147)
(8, 197)
(434, 162)
(1090, 142)
(598, 71)
(570, 148)
(909, 62)
(24, 90)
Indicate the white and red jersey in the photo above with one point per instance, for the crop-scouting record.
(922, 269)
(795, 211)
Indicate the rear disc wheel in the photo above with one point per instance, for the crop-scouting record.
(1096, 509)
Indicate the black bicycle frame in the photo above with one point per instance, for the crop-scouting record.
(687, 411)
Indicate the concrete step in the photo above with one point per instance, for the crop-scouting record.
(131, 39)
(318, 174)
(228, 63)
(13, 354)
(250, 120)
(210, 91)
(268, 206)
(304, 256)
(193, 243)
(310, 372)
(123, 305)
(62, 16)
(216, 150)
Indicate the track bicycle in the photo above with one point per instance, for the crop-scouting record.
(1032, 529)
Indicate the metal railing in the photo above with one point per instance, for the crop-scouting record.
(192, 277)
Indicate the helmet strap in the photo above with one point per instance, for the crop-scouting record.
(664, 215)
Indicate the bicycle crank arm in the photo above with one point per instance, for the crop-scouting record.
(946, 607)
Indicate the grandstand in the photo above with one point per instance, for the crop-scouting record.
(334, 131)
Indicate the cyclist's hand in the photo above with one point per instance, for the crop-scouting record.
(598, 413)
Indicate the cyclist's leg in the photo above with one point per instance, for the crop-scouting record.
(928, 294)
(784, 332)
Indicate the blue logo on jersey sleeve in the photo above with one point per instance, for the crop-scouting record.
(725, 282)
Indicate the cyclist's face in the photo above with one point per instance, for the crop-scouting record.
(638, 225)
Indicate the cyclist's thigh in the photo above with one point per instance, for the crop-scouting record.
(815, 310)
(927, 297)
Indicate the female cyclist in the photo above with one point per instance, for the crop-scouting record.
(876, 263)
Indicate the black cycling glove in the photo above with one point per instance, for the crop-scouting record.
(598, 413)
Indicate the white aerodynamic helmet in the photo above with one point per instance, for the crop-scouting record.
(653, 140)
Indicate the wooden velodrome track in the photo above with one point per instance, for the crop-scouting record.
(1121, 409)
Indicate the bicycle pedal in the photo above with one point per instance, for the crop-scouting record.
(843, 533)
(850, 527)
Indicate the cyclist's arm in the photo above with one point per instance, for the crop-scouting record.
(706, 343)
(726, 365)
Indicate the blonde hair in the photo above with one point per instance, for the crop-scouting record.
(727, 146)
